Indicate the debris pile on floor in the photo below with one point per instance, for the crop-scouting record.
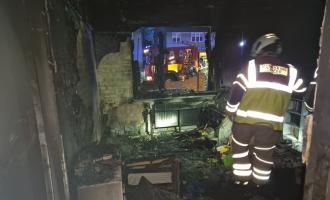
(195, 153)
(95, 165)
(180, 161)
(286, 157)
(147, 191)
(168, 166)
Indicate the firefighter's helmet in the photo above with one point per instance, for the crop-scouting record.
(265, 41)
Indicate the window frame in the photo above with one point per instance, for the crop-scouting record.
(197, 37)
(176, 37)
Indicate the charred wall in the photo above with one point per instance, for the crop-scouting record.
(317, 175)
(31, 163)
(93, 76)
(74, 76)
(20, 165)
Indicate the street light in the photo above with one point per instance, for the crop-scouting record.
(242, 43)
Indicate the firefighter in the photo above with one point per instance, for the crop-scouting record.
(259, 99)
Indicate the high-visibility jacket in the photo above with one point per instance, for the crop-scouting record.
(261, 92)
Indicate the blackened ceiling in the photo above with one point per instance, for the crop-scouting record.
(121, 15)
(296, 21)
(129, 14)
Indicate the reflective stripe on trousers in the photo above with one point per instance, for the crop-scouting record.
(253, 162)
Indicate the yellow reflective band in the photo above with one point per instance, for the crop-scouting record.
(293, 76)
(241, 155)
(264, 178)
(298, 84)
(308, 107)
(252, 72)
(232, 106)
(315, 73)
(261, 160)
(265, 148)
(238, 83)
(243, 78)
(263, 172)
(242, 172)
(300, 90)
(238, 143)
(229, 109)
(253, 83)
(260, 115)
(242, 166)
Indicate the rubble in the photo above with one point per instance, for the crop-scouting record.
(95, 165)
(111, 189)
(144, 156)
(151, 161)
(198, 163)
(286, 157)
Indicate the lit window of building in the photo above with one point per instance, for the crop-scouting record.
(176, 37)
(197, 37)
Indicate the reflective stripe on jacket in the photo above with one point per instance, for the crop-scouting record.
(261, 93)
(310, 94)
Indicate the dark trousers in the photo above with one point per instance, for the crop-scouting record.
(252, 148)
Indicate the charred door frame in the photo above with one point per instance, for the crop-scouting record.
(44, 99)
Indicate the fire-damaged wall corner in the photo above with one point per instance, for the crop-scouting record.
(114, 77)
(317, 181)
(74, 77)
(87, 86)
(115, 82)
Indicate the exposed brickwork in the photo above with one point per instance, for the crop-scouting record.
(114, 77)
(127, 119)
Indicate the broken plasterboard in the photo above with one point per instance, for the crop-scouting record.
(161, 172)
(154, 178)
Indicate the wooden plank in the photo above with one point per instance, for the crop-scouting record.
(147, 162)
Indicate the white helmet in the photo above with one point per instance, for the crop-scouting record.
(263, 42)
